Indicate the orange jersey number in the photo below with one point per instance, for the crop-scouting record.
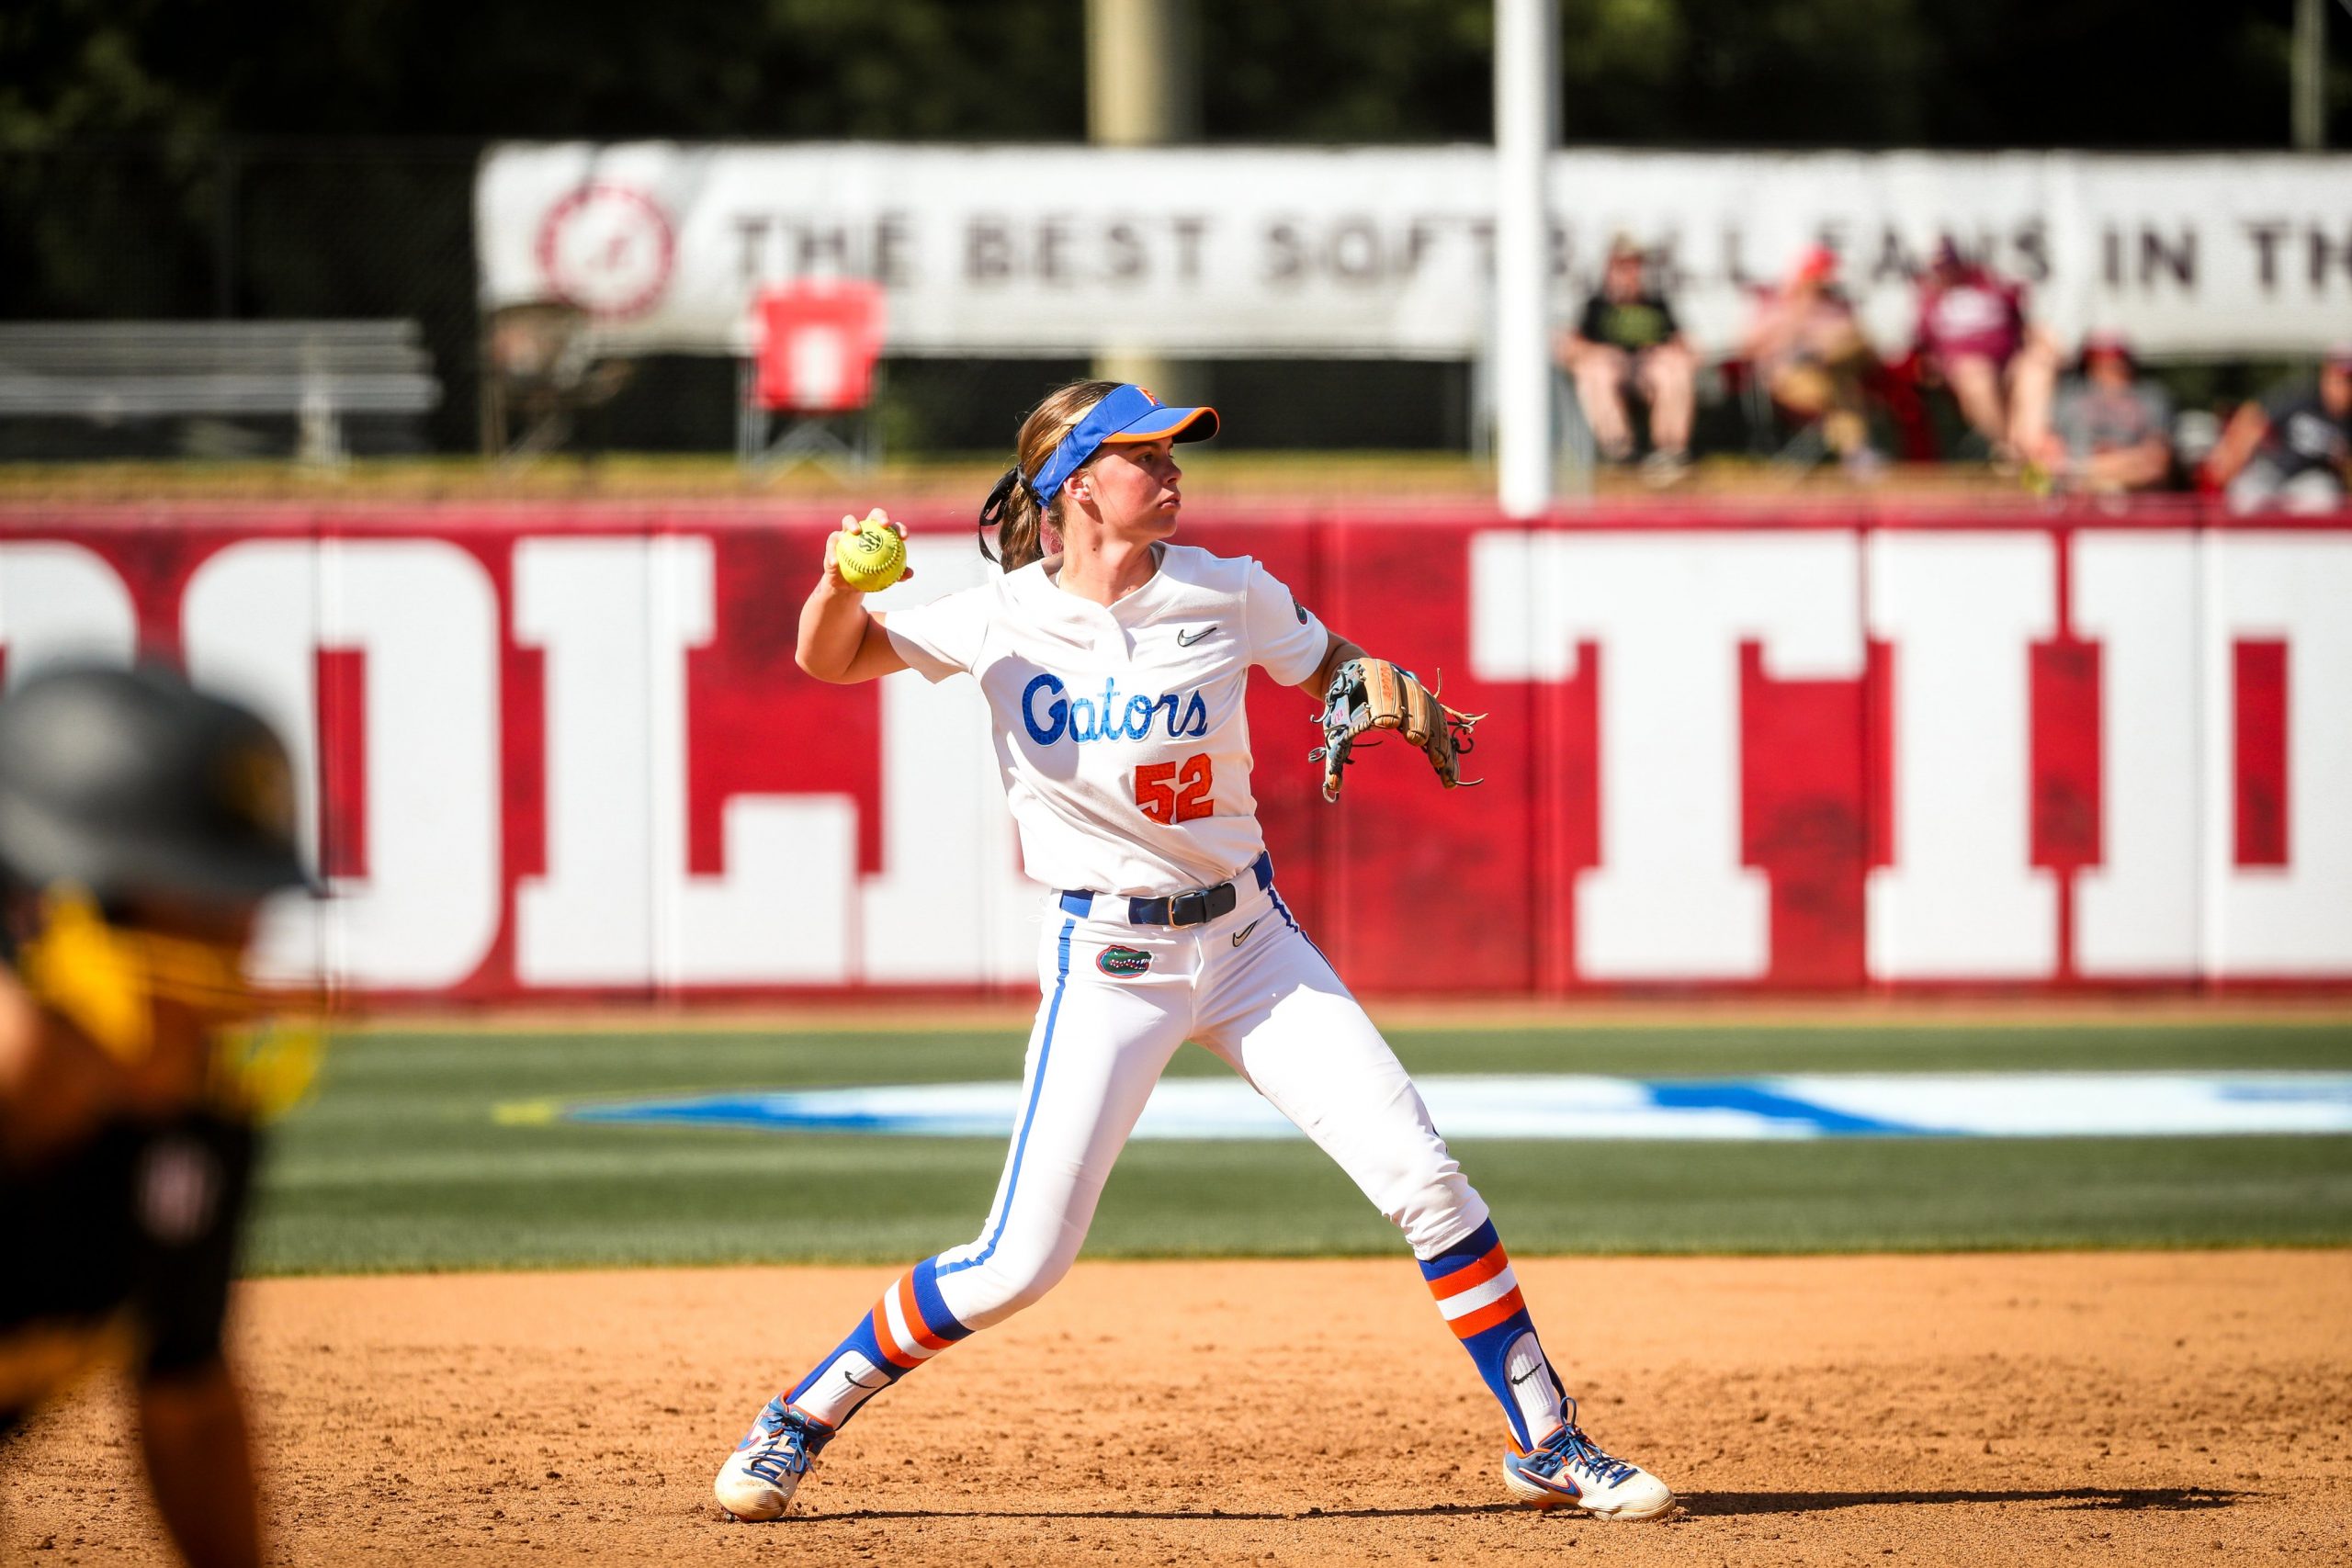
(1175, 792)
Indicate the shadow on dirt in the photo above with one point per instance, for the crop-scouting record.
(1698, 1505)
(1437, 1510)
(2135, 1499)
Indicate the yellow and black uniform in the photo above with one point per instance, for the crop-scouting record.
(124, 1242)
(141, 824)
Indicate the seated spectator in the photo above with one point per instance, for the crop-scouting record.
(1628, 336)
(2111, 431)
(2291, 451)
(1972, 326)
(1808, 350)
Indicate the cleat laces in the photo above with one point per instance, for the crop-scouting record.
(779, 1450)
(1569, 1448)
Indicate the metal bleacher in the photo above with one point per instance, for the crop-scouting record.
(318, 372)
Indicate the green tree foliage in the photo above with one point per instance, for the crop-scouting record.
(607, 69)
(1808, 73)
(289, 157)
(2104, 73)
(1346, 70)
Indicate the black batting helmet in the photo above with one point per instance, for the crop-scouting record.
(121, 781)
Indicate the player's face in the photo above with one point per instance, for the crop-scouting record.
(1135, 488)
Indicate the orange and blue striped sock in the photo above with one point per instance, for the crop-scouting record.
(907, 1327)
(1479, 1295)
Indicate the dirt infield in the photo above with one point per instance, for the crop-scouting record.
(2094, 1408)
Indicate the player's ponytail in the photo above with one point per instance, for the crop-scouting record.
(1027, 530)
(992, 512)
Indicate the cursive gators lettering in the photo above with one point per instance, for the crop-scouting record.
(1051, 715)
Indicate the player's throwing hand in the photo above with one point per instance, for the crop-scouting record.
(867, 554)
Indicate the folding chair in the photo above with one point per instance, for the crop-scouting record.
(814, 348)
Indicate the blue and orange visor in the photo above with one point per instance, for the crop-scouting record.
(1124, 416)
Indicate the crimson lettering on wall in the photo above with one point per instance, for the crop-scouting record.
(557, 751)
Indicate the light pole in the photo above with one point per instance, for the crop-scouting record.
(1143, 89)
(1526, 125)
(2308, 95)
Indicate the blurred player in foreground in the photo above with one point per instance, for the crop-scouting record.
(141, 824)
(1115, 664)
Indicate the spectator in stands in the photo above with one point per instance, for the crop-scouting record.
(1628, 337)
(1971, 327)
(2110, 431)
(2293, 451)
(1807, 349)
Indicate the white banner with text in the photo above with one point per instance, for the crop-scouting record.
(1387, 251)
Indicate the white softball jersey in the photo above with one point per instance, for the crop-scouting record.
(1124, 751)
(1120, 732)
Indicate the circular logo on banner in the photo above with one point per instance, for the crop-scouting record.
(607, 249)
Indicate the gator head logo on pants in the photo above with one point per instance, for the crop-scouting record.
(1122, 963)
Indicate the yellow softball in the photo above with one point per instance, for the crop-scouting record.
(873, 556)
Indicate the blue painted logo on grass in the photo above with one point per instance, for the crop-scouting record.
(1565, 1107)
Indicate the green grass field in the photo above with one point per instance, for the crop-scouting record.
(402, 1161)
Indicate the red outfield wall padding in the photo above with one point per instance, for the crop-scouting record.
(563, 750)
(2260, 676)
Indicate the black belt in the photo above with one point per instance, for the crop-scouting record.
(1195, 906)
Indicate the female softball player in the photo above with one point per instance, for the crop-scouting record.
(1113, 661)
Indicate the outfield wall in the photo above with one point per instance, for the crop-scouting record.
(563, 750)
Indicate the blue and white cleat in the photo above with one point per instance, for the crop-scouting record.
(1567, 1469)
(759, 1478)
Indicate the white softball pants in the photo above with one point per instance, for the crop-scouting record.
(1248, 986)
